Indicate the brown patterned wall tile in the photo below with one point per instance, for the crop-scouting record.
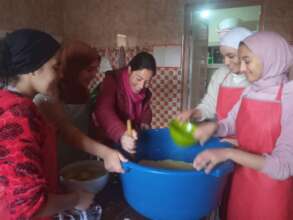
(144, 22)
(282, 9)
(44, 15)
(282, 26)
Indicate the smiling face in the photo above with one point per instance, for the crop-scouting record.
(231, 59)
(139, 79)
(251, 65)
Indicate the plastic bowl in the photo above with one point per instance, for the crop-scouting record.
(182, 133)
(161, 194)
(92, 185)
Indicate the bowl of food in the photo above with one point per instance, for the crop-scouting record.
(87, 175)
(182, 133)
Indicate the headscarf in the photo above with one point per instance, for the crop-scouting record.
(234, 37)
(25, 50)
(226, 25)
(276, 56)
(134, 100)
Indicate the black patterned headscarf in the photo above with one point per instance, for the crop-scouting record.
(24, 51)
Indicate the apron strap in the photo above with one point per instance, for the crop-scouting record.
(225, 78)
(280, 91)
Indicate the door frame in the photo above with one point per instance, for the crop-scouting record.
(188, 43)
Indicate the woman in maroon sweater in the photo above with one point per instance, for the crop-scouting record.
(124, 95)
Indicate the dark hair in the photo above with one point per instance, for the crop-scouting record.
(5, 78)
(143, 60)
(75, 56)
(24, 51)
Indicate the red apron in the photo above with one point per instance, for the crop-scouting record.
(227, 98)
(254, 195)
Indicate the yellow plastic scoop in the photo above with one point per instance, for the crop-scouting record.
(182, 133)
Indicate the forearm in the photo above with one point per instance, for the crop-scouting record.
(110, 123)
(57, 203)
(78, 139)
(207, 106)
(246, 159)
(203, 111)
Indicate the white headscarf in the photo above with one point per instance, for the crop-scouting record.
(234, 37)
(226, 25)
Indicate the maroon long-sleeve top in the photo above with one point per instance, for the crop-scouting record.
(112, 110)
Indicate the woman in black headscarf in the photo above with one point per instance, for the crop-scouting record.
(28, 165)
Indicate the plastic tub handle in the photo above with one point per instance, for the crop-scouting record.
(126, 167)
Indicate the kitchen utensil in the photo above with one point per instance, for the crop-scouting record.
(182, 133)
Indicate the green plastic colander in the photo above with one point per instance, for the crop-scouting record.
(182, 133)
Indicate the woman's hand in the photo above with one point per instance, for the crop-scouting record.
(128, 141)
(184, 116)
(112, 161)
(145, 126)
(208, 159)
(85, 199)
(232, 141)
(204, 131)
(189, 114)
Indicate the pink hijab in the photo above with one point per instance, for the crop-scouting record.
(135, 101)
(276, 56)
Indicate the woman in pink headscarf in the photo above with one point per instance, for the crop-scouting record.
(124, 95)
(262, 185)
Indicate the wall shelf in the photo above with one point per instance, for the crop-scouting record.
(215, 65)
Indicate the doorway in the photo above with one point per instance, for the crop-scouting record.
(201, 55)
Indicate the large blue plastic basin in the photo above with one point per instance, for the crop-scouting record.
(163, 194)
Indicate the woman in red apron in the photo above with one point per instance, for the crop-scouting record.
(226, 84)
(28, 165)
(262, 184)
(229, 95)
